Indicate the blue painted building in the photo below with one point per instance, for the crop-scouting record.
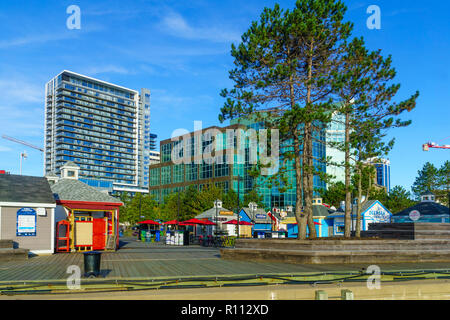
(427, 210)
(286, 220)
(261, 221)
(373, 211)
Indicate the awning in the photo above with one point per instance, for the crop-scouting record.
(86, 205)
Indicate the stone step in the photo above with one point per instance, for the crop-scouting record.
(409, 226)
(327, 257)
(342, 245)
(407, 234)
(9, 254)
(6, 244)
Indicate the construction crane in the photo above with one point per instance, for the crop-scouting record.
(428, 145)
(22, 142)
(23, 155)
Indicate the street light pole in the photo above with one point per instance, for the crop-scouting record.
(178, 210)
(239, 179)
(215, 204)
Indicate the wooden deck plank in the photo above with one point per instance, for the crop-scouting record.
(143, 260)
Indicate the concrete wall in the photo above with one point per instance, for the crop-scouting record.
(44, 231)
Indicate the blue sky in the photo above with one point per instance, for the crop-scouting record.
(181, 51)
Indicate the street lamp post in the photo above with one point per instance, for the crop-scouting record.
(239, 179)
(178, 210)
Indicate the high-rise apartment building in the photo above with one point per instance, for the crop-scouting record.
(102, 127)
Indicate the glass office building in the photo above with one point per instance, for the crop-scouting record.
(168, 177)
(102, 127)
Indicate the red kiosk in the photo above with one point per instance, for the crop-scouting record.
(86, 218)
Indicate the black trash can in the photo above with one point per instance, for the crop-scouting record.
(92, 263)
(186, 238)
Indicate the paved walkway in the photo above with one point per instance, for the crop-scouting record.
(137, 260)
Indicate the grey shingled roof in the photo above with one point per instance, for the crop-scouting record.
(425, 208)
(16, 188)
(212, 213)
(70, 164)
(252, 215)
(70, 189)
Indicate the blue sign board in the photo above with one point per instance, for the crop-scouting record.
(260, 216)
(26, 222)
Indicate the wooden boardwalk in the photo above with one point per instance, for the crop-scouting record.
(136, 260)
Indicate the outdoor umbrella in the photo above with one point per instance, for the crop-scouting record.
(193, 221)
(149, 222)
(243, 223)
(208, 223)
(172, 222)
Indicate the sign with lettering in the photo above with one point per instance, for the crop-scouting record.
(414, 215)
(26, 222)
(378, 215)
(226, 213)
(260, 216)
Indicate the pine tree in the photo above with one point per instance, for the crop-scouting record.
(284, 67)
(364, 86)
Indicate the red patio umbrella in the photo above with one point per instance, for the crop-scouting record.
(172, 222)
(194, 221)
(149, 222)
(242, 223)
(208, 223)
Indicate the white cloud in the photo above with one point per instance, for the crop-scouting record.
(95, 70)
(35, 39)
(174, 24)
(16, 91)
(5, 149)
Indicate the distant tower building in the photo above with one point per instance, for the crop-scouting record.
(154, 157)
(383, 172)
(336, 133)
(153, 141)
(101, 127)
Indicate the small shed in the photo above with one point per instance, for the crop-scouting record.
(287, 221)
(27, 212)
(259, 217)
(427, 210)
(87, 218)
(216, 214)
(372, 211)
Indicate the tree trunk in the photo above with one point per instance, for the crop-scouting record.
(358, 204)
(299, 215)
(308, 181)
(308, 169)
(348, 195)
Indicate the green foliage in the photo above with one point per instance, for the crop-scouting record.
(334, 194)
(436, 180)
(138, 208)
(398, 199)
(253, 196)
